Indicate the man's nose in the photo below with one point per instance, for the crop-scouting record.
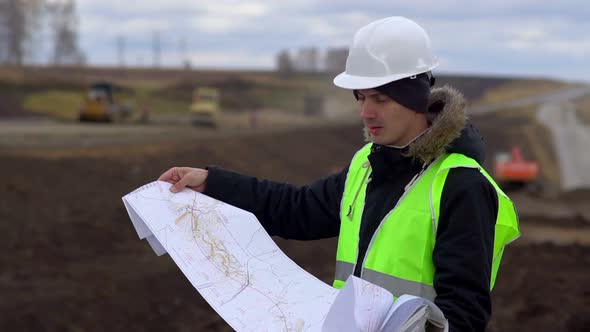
(367, 111)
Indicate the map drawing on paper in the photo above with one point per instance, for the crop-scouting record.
(230, 259)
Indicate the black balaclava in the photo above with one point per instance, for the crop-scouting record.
(412, 92)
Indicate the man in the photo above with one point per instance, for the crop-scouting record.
(414, 211)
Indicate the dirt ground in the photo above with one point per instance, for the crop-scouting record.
(71, 260)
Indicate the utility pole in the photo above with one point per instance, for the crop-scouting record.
(156, 49)
(121, 51)
(182, 53)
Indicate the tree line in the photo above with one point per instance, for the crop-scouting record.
(25, 25)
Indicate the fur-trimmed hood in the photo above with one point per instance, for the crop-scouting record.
(450, 131)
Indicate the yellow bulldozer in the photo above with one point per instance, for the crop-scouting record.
(104, 102)
(205, 107)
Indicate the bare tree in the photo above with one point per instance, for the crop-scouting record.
(285, 66)
(19, 20)
(64, 25)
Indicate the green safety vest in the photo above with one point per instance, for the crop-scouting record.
(399, 256)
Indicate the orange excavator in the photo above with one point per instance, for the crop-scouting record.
(513, 172)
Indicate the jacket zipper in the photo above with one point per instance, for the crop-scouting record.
(409, 186)
(356, 195)
(349, 214)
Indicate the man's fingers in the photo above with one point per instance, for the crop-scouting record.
(181, 177)
(168, 175)
(183, 182)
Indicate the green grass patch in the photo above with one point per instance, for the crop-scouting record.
(147, 95)
(161, 105)
(514, 90)
(56, 103)
(65, 104)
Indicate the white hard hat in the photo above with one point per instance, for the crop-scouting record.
(384, 51)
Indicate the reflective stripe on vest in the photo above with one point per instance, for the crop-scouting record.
(396, 286)
(399, 256)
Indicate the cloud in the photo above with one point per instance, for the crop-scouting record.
(227, 18)
(554, 37)
(509, 35)
(502, 35)
(573, 48)
(132, 26)
(241, 59)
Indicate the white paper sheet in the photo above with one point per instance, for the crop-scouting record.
(359, 307)
(230, 260)
(365, 307)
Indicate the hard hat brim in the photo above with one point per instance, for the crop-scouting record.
(347, 81)
(351, 82)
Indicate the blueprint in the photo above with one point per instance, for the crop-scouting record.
(230, 259)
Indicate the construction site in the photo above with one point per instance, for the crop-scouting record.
(73, 262)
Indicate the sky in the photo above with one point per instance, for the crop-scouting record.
(532, 38)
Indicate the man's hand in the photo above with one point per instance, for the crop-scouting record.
(181, 177)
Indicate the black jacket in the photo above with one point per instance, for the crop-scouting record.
(464, 245)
